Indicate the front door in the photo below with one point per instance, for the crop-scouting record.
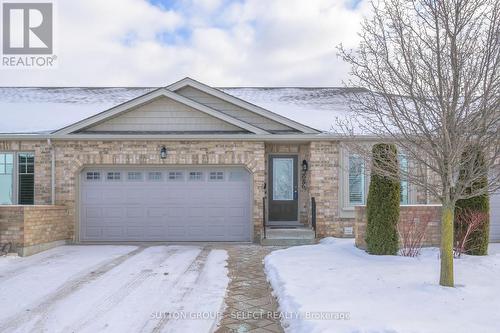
(283, 195)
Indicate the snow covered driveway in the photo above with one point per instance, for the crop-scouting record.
(113, 289)
(335, 287)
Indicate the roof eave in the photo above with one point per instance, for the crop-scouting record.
(198, 137)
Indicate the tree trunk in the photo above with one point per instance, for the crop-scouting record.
(447, 216)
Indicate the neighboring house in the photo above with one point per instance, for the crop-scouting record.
(187, 162)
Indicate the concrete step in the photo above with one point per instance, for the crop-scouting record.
(286, 242)
(288, 237)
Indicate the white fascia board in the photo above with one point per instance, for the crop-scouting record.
(241, 103)
(141, 100)
(182, 137)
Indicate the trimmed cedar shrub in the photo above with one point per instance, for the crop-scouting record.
(382, 206)
(478, 242)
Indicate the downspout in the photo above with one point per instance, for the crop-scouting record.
(52, 172)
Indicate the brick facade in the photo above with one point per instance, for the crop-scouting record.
(324, 187)
(31, 229)
(73, 156)
(321, 181)
(407, 214)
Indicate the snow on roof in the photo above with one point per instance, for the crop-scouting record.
(38, 110)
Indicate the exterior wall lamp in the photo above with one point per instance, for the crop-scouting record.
(305, 167)
(163, 153)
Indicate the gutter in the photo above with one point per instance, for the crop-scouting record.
(189, 137)
(52, 172)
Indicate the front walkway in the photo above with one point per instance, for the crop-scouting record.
(250, 305)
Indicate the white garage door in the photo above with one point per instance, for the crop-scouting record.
(495, 218)
(165, 205)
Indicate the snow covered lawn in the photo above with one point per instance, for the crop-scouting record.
(113, 289)
(383, 293)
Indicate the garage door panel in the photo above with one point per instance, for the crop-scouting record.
(113, 232)
(165, 209)
(215, 211)
(112, 212)
(92, 196)
(113, 195)
(93, 232)
(134, 232)
(135, 212)
(217, 230)
(156, 211)
(176, 231)
(238, 231)
(93, 212)
(177, 212)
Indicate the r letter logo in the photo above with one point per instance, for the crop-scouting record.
(28, 35)
(27, 28)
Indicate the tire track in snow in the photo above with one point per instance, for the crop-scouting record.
(9, 274)
(66, 289)
(126, 289)
(196, 266)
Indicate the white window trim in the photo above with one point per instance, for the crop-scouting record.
(345, 209)
(15, 175)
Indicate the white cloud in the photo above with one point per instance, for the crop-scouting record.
(251, 42)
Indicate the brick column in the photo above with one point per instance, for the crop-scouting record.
(323, 177)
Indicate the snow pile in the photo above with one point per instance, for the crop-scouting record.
(336, 280)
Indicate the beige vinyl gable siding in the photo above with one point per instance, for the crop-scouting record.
(233, 110)
(163, 115)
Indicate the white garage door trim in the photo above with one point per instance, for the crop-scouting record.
(217, 207)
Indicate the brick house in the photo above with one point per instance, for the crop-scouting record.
(187, 162)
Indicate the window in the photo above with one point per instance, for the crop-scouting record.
(175, 175)
(216, 175)
(6, 179)
(356, 180)
(403, 165)
(26, 171)
(155, 175)
(113, 175)
(92, 175)
(134, 175)
(283, 182)
(17, 178)
(195, 175)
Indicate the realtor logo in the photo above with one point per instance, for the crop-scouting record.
(27, 35)
(27, 28)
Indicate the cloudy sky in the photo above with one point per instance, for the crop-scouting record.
(219, 42)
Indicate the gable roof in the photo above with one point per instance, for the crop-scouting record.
(36, 111)
(241, 103)
(148, 97)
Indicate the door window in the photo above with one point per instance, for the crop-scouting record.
(282, 178)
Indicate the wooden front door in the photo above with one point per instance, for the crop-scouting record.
(283, 191)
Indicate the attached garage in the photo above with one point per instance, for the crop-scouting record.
(153, 204)
(495, 217)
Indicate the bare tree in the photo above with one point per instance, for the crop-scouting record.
(431, 69)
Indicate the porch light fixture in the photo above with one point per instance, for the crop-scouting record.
(163, 153)
(305, 166)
